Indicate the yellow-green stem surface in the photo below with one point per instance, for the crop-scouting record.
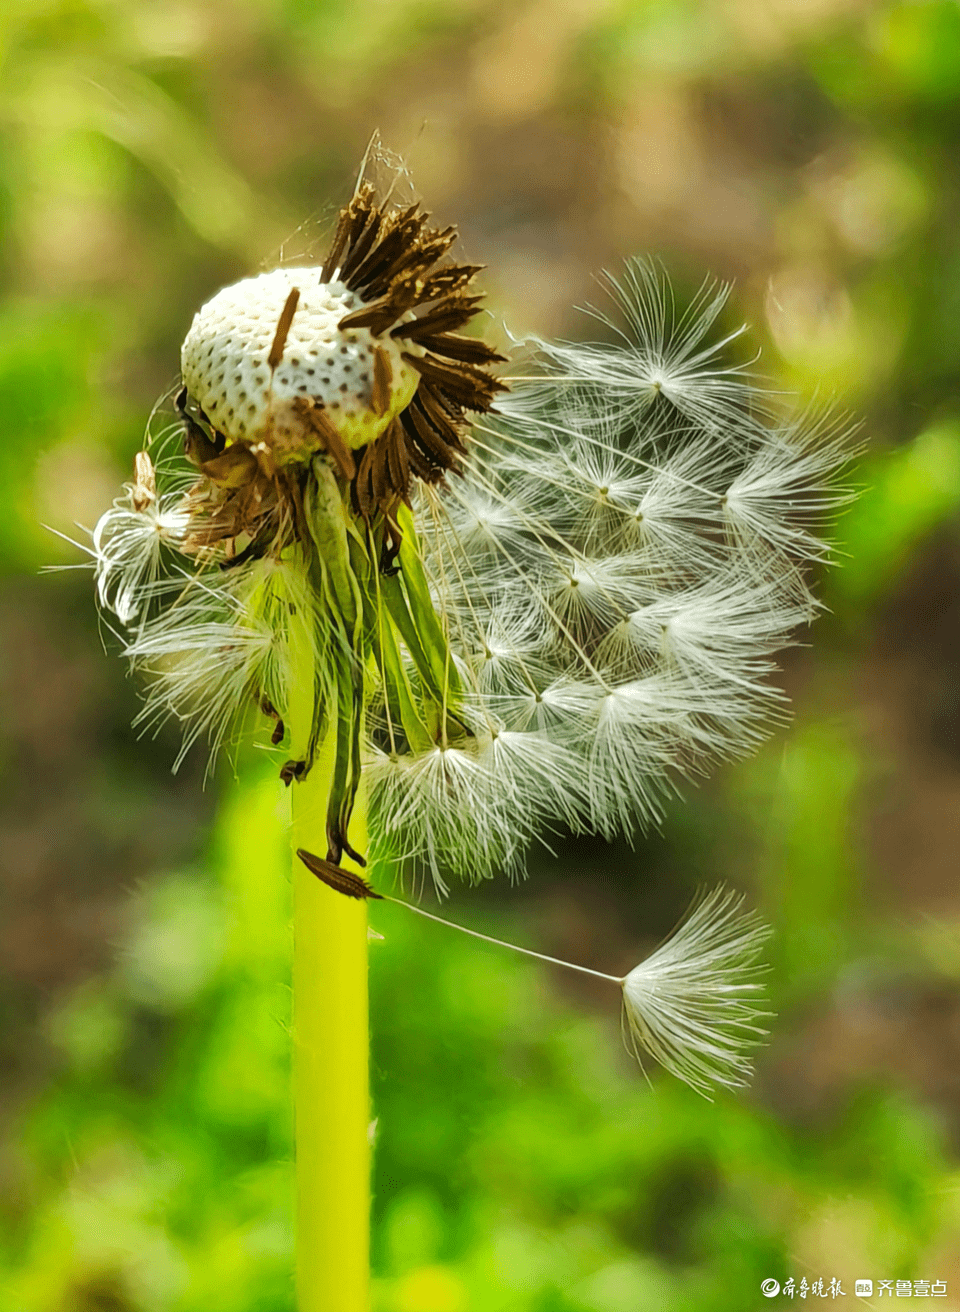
(331, 1066)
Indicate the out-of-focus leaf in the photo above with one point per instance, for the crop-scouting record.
(47, 393)
(907, 494)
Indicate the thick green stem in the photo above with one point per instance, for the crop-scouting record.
(331, 1050)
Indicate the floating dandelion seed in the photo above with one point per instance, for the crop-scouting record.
(524, 609)
(694, 1004)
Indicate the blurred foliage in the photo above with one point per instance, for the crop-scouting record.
(520, 1162)
(907, 495)
(149, 153)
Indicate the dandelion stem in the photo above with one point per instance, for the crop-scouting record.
(331, 1050)
(500, 943)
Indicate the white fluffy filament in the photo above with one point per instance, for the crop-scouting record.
(695, 1003)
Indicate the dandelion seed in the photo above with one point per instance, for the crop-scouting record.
(129, 539)
(659, 354)
(694, 1004)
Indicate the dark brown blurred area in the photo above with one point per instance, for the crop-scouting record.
(87, 812)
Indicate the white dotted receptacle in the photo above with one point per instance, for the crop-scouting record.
(225, 359)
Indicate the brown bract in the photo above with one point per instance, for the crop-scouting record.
(335, 877)
(392, 260)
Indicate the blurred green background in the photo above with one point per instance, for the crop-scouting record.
(805, 148)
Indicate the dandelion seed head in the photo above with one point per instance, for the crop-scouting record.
(506, 613)
(249, 394)
(585, 615)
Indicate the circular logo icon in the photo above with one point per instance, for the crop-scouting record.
(770, 1288)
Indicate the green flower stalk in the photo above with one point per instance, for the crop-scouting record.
(330, 1039)
(468, 615)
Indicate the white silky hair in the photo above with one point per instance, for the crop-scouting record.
(128, 546)
(620, 560)
(625, 554)
(490, 798)
(695, 1003)
(133, 544)
(657, 350)
(212, 656)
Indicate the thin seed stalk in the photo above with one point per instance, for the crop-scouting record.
(331, 1045)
